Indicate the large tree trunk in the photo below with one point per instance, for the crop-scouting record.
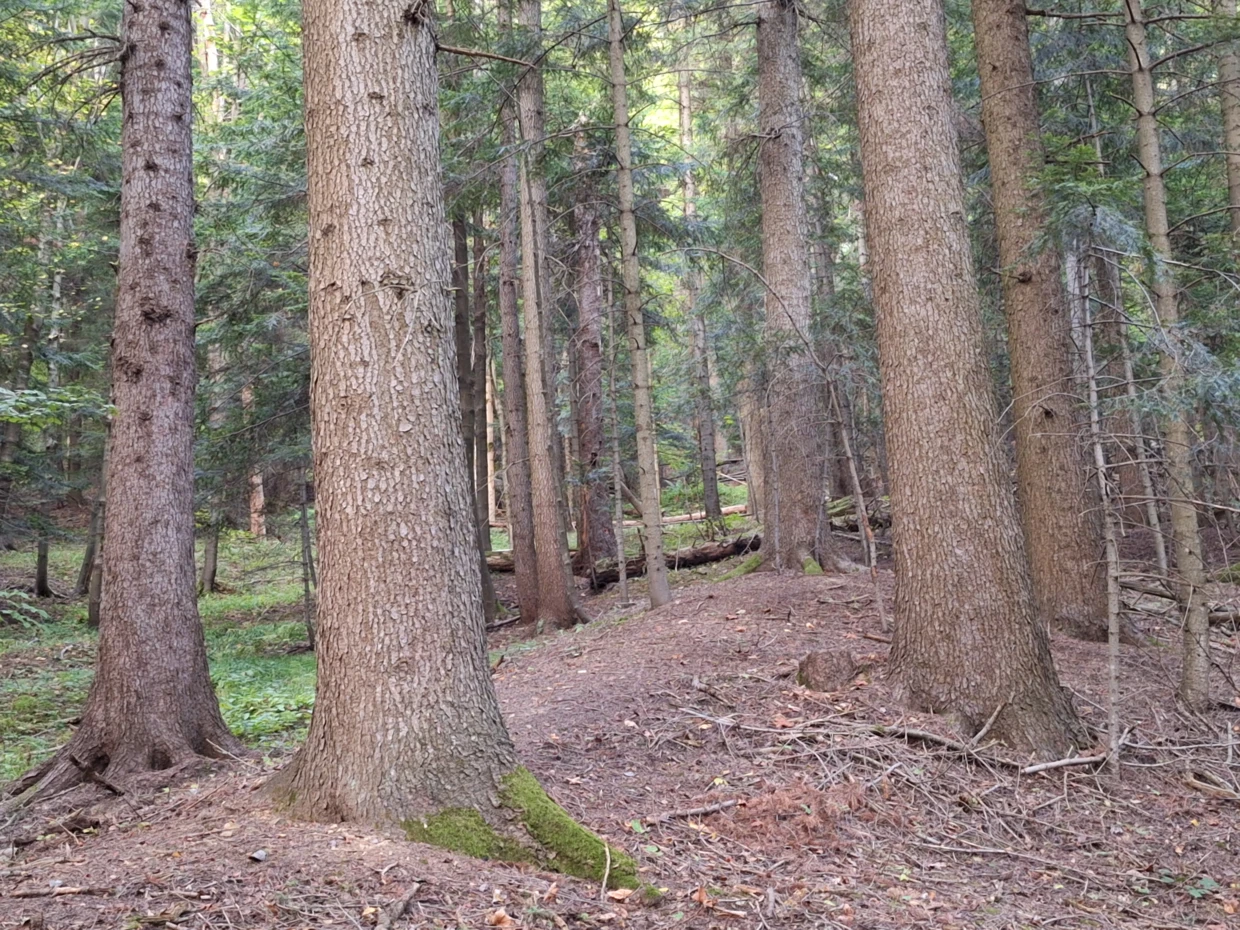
(793, 511)
(1062, 533)
(630, 275)
(967, 642)
(595, 539)
(699, 349)
(399, 597)
(517, 490)
(557, 600)
(151, 705)
(1178, 435)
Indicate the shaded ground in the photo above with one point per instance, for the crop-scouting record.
(630, 722)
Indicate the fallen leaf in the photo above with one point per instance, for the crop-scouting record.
(500, 918)
(550, 894)
(620, 894)
(783, 723)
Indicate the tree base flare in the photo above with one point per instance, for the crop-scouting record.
(748, 567)
(559, 842)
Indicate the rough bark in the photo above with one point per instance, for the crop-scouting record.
(698, 343)
(1058, 512)
(400, 598)
(151, 705)
(482, 424)
(517, 489)
(967, 642)
(1229, 101)
(595, 539)
(1178, 435)
(557, 600)
(793, 510)
(648, 476)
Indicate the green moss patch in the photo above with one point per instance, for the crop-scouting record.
(811, 567)
(462, 829)
(571, 848)
(748, 567)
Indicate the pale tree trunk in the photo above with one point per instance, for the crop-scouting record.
(1229, 100)
(595, 539)
(557, 600)
(151, 705)
(1057, 509)
(90, 580)
(482, 423)
(307, 558)
(210, 559)
(400, 595)
(630, 275)
(794, 511)
(1178, 435)
(257, 495)
(517, 490)
(967, 641)
(495, 428)
(698, 343)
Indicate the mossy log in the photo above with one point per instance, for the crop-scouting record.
(609, 573)
(540, 833)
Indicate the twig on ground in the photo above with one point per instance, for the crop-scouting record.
(690, 812)
(393, 912)
(56, 892)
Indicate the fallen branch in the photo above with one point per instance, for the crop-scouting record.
(690, 812)
(1064, 763)
(56, 892)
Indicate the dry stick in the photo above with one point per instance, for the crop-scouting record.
(690, 812)
(56, 892)
(1112, 550)
(863, 517)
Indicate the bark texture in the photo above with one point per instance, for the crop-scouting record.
(400, 600)
(648, 476)
(1058, 512)
(151, 705)
(557, 601)
(966, 640)
(1190, 573)
(793, 511)
(1229, 100)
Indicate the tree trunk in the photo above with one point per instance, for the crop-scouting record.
(1229, 100)
(92, 549)
(151, 705)
(307, 558)
(482, 424)
(630, 274)
(210, 556)
(698, 341)
(517, 489)
(1178, 435)
(257, 493)
(11, 439)
(1056, 505)
(557, 600)
(793, 512)
(399, 597)
(967, 641)
(595, 539)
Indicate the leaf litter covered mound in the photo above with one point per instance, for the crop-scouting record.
(748, 801)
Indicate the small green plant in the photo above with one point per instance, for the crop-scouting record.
(19, 607)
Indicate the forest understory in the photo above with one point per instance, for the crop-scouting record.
(682, 736)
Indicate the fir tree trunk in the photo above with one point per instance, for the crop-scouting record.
(794, 509)
(1062, 534)
(210, 556)
(557, 600)
(151, 705)
(1229, 101)
(967, 642)
(1178, 435)
(517, 487)
(648, 477)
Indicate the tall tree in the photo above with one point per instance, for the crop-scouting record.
(1060, 525)
(1190, 573)
(966, 638)
(648, 477)
(1229, 101)
(557, 600)
(794, 510)
(151, 705)
(400, 589)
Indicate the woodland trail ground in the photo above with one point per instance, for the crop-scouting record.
(811, 818)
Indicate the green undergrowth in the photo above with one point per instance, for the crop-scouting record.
(560, 843)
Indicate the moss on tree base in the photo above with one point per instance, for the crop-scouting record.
(748, 567)
(560, 843)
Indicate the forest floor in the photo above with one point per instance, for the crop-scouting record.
(809, 816)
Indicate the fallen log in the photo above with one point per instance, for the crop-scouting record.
(608, 572)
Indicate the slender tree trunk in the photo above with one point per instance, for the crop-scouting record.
(617, 468)
(307, 559)
(258, 494)
(482, 423)
(495, 428)
(698, 341)
(210, 557)
(1178, 435)
(92, 550)
(517, 487)
(400, 597)
(967, 641)
(794, 510)
(12, 436)
(557, 600)
(595, 539)
(643, 396)
(1057, 513)
(151, 705)
(1229, 100)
